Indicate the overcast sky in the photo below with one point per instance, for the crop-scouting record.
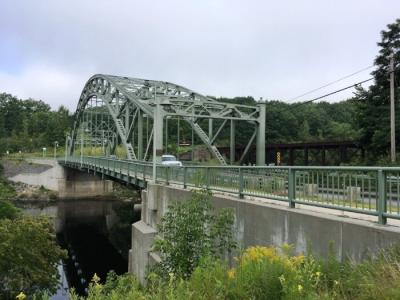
(269, 49)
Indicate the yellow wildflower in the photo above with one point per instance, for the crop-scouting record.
(297, 260)
(258, 253)
(336, 282)
(95, 278)
(96, 281)
(231, 273)
(300, 288)
(20, 296)
(282, 279)
(287, 249)
(318, 274)
(171, 275)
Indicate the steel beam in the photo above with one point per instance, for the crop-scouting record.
(232, 142)
(140, 135)
(158, 125)
(260, 141)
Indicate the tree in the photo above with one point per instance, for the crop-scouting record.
(29, 257)
(304, 132)
(29, 125)
(191, 230)
(372, 104)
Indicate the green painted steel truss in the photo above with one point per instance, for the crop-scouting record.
(114, 110)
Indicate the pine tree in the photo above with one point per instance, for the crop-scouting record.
(373, 104)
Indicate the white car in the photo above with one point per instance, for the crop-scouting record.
(170, 160)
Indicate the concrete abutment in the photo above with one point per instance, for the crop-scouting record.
(258, 223)
(68, 182)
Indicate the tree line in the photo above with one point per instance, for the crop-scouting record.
(28, 125)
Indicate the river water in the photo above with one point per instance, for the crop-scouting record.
(96, 233)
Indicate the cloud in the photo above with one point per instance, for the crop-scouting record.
(269, 49)
(44, 83)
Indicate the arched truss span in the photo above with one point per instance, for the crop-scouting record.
(111, 111)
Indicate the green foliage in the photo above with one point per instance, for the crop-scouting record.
(6, 190)
(372, 104)
(28, 125)
(116, 288)
(29, 257)
(8, 210)
(191, 230)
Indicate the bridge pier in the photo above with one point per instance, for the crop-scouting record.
(77, 184)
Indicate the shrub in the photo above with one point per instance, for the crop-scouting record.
(8, 210)
(264, 273)
(191, 230)
(29, 257)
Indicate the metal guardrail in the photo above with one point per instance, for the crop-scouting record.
(372, 191)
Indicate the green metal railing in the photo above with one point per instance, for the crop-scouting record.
(372, 191)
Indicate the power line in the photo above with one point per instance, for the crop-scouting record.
(335, 92)
(330, 83)
(294, 105)
(326, 95)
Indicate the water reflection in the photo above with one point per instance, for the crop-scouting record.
(96, 233)
(90, 252)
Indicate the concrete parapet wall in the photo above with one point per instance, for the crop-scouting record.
(258, 223)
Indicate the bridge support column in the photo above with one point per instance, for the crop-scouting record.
(233, 142)
(158, 132)
(140, 134)
(260, 143)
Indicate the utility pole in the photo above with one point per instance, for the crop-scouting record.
(392, 112)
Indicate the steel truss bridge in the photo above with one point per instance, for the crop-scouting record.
(125, 116)
(111, 117)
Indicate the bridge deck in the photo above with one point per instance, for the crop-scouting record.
(372, 191)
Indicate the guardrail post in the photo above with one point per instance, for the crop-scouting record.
(208, 178)
(241, 183)
(184, 177)
(381, 197)
(136, 167)
(292, 188)
(167, 175)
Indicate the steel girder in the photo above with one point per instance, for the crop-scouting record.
(126, 99)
